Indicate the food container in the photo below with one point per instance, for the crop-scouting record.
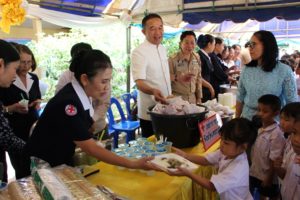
(181, 130)
(226, 88)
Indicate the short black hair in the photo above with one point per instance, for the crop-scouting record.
(186, 33)
(239, 130)
(270, 100)
(270, 52)
(219, 40)
(89, 62)
(203, 40)
(8, 52)
(292, 110)
(150, 16)
(78, 47)
(236, 45)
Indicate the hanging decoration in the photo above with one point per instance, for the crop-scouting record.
(12, 13)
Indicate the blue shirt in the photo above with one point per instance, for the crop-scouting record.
(254, 82)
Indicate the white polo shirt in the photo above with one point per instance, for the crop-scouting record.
(290, 187)
(232, 180)
(149, 62)
(269, 145)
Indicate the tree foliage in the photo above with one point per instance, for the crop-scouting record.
(52, 52)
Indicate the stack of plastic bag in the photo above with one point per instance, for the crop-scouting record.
(177, 106)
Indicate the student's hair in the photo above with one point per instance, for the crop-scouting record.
(270, 100)
(148, 17)
(78, 47)
(203, 40)
(25, 49)
(186, 33)
(90, 63)
(8, 53)
(270, 51)
(219, 40)
(239, 130)
(292, 110)
(235, 46)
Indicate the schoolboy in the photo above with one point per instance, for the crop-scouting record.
(290, 189)
(267, 148)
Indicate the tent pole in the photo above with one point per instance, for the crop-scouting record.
(128, 50)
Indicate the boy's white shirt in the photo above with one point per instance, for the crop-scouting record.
(269, 144)
(232, 180)
(290, 188)
(288, 153)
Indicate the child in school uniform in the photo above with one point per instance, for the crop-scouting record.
(287, 120)
(267, 148)
(290, 187)
(232, 179)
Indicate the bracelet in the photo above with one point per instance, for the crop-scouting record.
(5, 109)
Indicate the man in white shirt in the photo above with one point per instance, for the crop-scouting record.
(150, 70)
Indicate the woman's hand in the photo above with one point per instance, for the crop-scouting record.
(17, 108)
(185, 77)
(212, 92)
(143, 163)
(35, 104)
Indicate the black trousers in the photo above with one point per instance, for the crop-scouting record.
(146, 126)
(3, 176)
(17, 161)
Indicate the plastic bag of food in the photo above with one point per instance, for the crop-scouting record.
(49, 185)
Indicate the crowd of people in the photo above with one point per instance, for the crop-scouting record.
(251, 157)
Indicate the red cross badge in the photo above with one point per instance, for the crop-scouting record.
(71, 110)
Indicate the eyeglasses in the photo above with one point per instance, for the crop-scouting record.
(28, 62)
(252, 44)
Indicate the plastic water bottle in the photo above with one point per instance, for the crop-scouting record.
(256, 195)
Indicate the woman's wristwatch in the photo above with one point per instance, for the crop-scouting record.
(5, 109)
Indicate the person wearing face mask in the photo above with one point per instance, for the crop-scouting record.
(22, 100)
(9, 62)
(67, 118)
(150, 70)
(185, 73)
(206, 44)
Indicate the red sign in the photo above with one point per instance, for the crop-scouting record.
(209, 131)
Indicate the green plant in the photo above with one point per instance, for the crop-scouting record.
(52, 52)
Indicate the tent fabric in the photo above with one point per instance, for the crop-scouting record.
(239, 10)
(78, 7)
(68, 20)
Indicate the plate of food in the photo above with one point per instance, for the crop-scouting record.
(171, 161)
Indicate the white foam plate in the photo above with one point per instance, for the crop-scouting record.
(165, 161)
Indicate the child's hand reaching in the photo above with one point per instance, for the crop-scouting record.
(179, 172)
(179, 152)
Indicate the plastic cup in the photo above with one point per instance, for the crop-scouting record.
(24, 102)
(168, 146)
(141, 140)
(132, 143)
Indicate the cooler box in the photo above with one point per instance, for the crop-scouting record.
(182, 130)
